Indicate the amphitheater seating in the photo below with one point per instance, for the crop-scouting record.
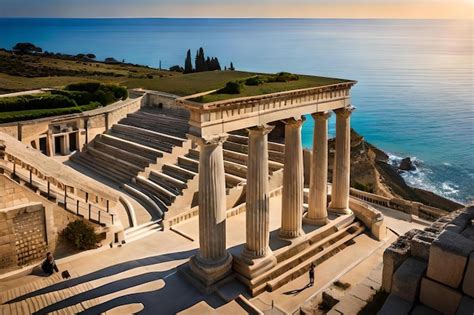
(128, 153)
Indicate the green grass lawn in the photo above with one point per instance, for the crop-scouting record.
(272, 87)
(188, 84)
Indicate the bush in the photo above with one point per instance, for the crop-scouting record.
(119, 91)
(177, 68)
(81, 98)
(231, 87)
(26, 48)
(30, 102)
(254, 81)
(90, 87)
(283, 77)
(40, 113)
(81, 235)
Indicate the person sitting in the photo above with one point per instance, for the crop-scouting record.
(311, 274)
(49, 265)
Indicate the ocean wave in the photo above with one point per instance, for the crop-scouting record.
(423, 177)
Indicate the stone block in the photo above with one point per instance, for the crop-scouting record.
(407, 279)
(468, 283)
(394, 256)
(395, 305)
(466, 307)
(448, 258)
(421, 309)
(421, 243)
(439, 297)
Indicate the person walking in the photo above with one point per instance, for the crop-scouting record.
(311, 274)
(49, 265)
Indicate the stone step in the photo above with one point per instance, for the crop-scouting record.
(171, 183)
(90, 162)
(161, 117)
(134, 147)
(165, 195)
(235, 174)
(164, 138)
(149, 142)
(121, 154)
(168, 128)
(303, 267)
(114, 162)
(273, 155)
(178, 172)
(143, 232)
(152, 203)
(174, 112)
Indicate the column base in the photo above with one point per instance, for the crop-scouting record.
(207, 277)
(250, 266)
(317, 222)
(340, 210)
(290, 235)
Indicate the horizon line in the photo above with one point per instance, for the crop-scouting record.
(236, 18)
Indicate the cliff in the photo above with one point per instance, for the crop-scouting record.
(371, 172)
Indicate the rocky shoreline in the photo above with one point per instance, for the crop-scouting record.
(372, 171)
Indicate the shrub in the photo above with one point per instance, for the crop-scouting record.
(176, 68)
(231, 87)
(81, 98)
(254, 81)
(30, 102)
(283, 77)
(90, 87)
(81, 235)
(26, 48)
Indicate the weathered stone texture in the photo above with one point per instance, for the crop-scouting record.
(395, 305)
(407, 278)
(466, 307)
(448, 258)
(468, 284)
(439, 297)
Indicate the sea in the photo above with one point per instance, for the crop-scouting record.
(415, 90)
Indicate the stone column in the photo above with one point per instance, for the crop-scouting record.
(293, 181)
(49, 143)
(64, 143)
(342, 162)
(257, 195)
(317, 208)
(213, 262)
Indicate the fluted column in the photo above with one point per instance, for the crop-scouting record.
(213, 261)
(342, 161)
(257, 195)
(317, 208)
(293, 181)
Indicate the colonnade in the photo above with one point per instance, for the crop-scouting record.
(213, 261)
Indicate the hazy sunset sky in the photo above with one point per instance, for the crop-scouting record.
(456, 9)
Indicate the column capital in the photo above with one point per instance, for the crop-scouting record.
(345, 111)
(294, 121)
(321, 115)
(261, 129)
(212, 139)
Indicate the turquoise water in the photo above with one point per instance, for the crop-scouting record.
(415, 91)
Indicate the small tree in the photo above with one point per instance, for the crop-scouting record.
(81, 235)
(91, 56)
(188, 64)
(176, 68)
(26, 48)
(231, 68)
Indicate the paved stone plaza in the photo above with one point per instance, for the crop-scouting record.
(143, 275)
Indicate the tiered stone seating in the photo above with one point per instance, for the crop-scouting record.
(178, 180)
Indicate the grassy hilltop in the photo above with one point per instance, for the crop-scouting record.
(26, 72)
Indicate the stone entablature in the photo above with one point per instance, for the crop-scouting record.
(234, 114)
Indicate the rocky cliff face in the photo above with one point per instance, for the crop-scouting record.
(371, 172)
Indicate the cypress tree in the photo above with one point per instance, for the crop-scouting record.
(217, 64)
(231, 68)
(188, 64)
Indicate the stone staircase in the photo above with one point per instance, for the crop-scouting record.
(295, 259)
(24, 300)
(148, 155)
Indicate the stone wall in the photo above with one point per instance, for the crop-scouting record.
(13, 199)
(432, 271)
(23, 237)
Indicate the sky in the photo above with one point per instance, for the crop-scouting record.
(434, 9)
